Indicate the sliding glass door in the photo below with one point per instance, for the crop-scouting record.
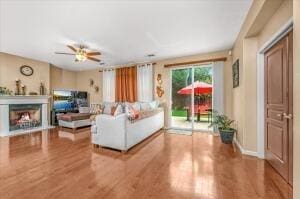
(191, 98)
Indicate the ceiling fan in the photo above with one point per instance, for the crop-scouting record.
(81, 54)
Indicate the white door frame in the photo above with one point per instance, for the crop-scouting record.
(283, 31)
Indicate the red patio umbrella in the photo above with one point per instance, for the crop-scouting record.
(199, 88)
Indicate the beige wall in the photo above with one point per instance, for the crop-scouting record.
(165, 99)
(52, 76)
(296, 98)
(83, 84)
(245, 49)
(77, 80)
(10, 71)
(62, 79)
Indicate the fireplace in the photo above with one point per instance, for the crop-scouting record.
(24, 116)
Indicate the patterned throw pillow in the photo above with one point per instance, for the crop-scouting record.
(116, 110)
(132, 114)
(113, 110)
(119, 110)
(96, 109)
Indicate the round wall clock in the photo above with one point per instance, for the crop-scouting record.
(26, 70)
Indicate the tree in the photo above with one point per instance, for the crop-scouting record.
(182, 78)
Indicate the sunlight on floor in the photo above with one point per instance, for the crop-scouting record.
(181, 122)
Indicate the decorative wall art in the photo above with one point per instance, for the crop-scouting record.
(96, 89)
(159, 89)
(92, 82)
(235, 74)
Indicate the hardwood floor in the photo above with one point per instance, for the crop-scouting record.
(43, 165)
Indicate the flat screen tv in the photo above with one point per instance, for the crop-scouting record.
(66, 100)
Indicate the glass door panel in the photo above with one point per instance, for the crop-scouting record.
(181, 113)
(203, 89)
(191, 98)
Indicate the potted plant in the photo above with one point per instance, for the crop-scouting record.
(223, 124)
(5, 91)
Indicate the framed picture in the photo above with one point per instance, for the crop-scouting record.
(236, 74)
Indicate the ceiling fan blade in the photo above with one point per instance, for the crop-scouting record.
(72, 48)
(94, 59)
(93, 53)
(64, 53)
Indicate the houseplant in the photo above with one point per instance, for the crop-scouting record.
(224, 124)
(5, 91)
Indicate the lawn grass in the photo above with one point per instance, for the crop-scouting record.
(182, 113)
(179, 113)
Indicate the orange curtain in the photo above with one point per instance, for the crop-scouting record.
(126, 88)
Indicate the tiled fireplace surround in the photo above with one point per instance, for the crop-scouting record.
(34, 110)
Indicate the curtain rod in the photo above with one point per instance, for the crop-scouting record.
(195, 62)
(154, 63)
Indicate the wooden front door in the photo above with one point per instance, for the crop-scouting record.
(278, 106)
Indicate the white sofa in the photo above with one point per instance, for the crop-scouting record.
(120, 133)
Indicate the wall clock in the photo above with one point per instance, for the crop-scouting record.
(26, 70)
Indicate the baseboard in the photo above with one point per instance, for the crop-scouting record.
(244, 151)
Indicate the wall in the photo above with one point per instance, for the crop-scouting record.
(62, 79)
(83, 84)
(245, 49)
(10, 70)
(165, 99)
(296, 93)
(52, 76)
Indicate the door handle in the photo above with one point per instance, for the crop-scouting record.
(287, 116)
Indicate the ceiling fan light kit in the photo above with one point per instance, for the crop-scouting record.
(81, 54)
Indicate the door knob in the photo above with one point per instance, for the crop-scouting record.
(287, 116)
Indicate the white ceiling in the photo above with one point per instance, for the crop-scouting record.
(124, 31)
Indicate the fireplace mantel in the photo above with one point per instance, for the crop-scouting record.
(6, 101)
(24, 99)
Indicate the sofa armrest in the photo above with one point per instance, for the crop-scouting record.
(111, 131)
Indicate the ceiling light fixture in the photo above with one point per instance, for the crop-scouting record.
(81, 55)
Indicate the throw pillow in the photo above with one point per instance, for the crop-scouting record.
(132, 114)
(113, 110)
(145, 106)
(119, 110)
(107, 107)
(154, 104)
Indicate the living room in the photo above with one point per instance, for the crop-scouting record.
(90, 90)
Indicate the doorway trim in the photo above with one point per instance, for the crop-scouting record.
(282, 32)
